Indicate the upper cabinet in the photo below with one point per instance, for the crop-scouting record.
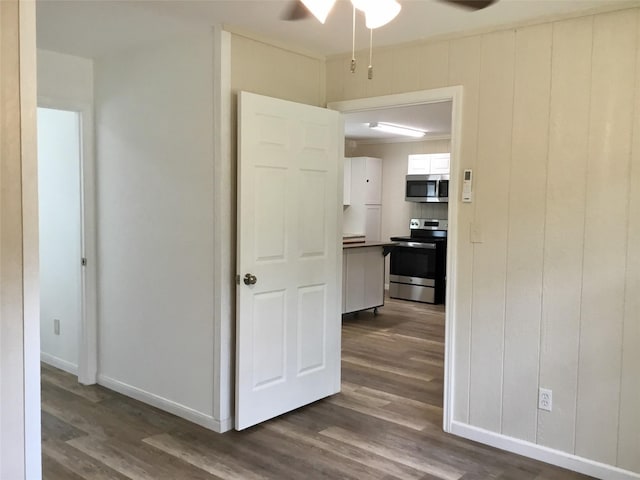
(373, 181)
(428, 163)
(366, 180)
(440, 163)
(419, 164)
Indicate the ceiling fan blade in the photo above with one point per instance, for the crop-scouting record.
(472, 4)
(296, 11)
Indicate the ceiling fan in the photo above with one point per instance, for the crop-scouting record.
(377, 12)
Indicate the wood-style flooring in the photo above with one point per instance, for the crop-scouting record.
(386, 424)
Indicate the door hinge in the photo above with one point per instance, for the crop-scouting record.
(83, 262)
(238, 279)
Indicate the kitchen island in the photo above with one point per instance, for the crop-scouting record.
(363, 275)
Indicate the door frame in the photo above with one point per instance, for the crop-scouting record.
(20, 436)
(455, 95)
(224, 234)
(224, 229)
(88, 328)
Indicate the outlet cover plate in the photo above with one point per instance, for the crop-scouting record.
(545, 399)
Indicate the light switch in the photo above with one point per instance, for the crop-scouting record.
(475, 233)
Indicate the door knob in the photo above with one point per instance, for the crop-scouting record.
(250, 279)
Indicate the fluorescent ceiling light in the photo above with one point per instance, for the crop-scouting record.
(397, 129)
(319, 8)
(377, 12)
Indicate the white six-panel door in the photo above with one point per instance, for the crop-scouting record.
(289, 239)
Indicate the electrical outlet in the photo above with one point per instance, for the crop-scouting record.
(56, 326)
(545, 399)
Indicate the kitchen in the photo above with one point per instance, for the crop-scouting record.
(379, 210)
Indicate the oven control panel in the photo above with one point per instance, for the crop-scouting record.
(428, 224)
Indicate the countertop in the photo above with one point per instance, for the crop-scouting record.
(368, 244)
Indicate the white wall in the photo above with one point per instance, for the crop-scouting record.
(65, 78)
(60, 235)
(154, 118)
(548, 295)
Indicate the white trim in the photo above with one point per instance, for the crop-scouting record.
(225, 425)
(541, 453)
(287, 46)
(30, 293)
(182, 411)
(451, 299)
(59, 363)
(454, 94)
(88, 331)
(400, 99)
(378, 141)
(223, 232)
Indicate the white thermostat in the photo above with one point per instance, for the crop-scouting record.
(467, 190)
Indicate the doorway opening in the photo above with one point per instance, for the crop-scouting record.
(60, 205)
(397, 213)
(66, 234)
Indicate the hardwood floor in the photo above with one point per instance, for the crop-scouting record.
(386, 423)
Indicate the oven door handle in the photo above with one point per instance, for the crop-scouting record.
(426, 246)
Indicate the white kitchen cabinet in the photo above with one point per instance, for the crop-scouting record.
(372, 181)
(440, 163)
(372, 221)
(428, 163)
(366, 180)
(363, 278)
(344, 281)
(419, 164)
(363, 213)
(346, 193)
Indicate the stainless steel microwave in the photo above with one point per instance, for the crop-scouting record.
(427, 188)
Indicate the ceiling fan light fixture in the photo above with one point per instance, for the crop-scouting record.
(319, 8)
(381, 13)
(378, 13)
(397, 129)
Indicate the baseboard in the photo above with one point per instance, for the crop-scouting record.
(167, 405)
(59, 363)
(226, 424)
(544, 454)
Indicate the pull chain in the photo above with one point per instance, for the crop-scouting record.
(353, 42)
(370, 70)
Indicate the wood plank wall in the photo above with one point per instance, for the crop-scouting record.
(526, 227)
(489, 259)
(298, 77)
(551, 295)
(564, 229)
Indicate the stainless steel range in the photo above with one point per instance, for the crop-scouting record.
(418, 263)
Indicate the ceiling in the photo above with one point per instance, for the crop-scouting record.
(434, 118)
(91, 28)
